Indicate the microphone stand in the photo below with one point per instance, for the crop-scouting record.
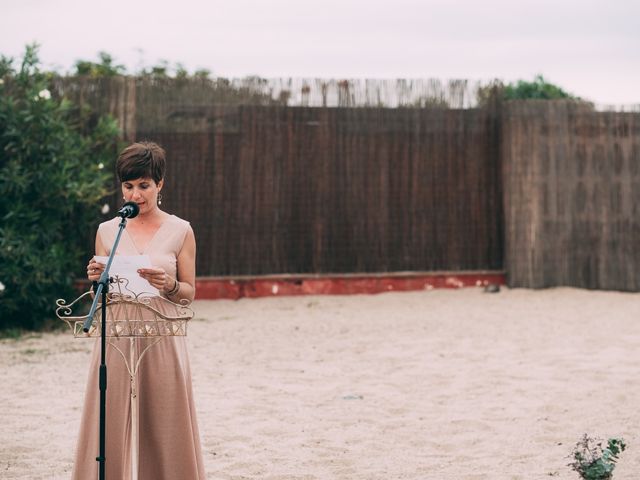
(101, 287)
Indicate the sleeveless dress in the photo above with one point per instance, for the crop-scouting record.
(168, 437)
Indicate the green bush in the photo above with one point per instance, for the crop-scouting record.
(104, 68)
(54, 176)
(539, 89)
(592, 461)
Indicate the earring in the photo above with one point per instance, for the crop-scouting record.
(159, 198)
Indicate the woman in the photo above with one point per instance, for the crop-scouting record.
(169, 443)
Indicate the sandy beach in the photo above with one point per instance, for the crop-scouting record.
(444, 384)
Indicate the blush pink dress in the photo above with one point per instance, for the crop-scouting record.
(168, 438)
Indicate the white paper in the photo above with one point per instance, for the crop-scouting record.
(126, 266)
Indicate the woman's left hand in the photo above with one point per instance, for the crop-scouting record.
(157, 277)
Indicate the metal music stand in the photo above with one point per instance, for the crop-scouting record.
(129, 315)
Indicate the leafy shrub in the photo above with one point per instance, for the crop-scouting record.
(592, 462)
(538, 89)
(104, 68)
(54, 172)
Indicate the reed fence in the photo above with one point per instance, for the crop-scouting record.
(317, 177)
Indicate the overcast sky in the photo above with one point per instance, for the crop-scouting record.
(590, 48)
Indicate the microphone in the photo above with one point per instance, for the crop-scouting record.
(129, 210)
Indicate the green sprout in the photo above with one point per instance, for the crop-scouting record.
(592, 462)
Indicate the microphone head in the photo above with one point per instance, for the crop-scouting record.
(135, 209)
(129, 210)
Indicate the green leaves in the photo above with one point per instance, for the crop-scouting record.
(51, 190)
(104, 68)
(538, 89)
(592, 462)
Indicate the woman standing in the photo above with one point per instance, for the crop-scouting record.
(169, 442)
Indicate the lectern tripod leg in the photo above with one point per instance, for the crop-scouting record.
(134, 410)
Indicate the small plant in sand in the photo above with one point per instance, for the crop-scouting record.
(592, 461)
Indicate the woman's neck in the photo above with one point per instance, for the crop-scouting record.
(153, 217)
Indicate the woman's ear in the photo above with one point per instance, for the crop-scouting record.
(160, 184)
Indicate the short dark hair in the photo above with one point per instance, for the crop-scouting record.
(141, 160)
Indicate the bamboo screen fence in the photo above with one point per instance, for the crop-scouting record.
(313, 176)
(572, 196)
(302, 190)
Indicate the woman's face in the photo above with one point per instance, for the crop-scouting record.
(143, 191)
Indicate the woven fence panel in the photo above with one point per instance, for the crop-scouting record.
(572, 196)
(546, 190)
(332, 190)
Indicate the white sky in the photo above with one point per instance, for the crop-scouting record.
(590, 48)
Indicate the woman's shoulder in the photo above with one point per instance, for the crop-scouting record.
(109, 224)
(176, 232)
(176, 221)
(181, 226)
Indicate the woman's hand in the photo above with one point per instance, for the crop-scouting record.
(94, 270)
(158, 278)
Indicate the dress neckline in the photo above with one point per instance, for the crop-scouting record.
(153, 237)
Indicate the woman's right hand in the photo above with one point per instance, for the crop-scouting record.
(94, 270)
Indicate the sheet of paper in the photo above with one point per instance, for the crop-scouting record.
(126, 266)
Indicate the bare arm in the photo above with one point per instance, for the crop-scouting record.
(186, 277)
(186, 264)
(94, 269)
(184, 286)
(100, 249)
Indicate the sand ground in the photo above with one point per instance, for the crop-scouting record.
(445, 384)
